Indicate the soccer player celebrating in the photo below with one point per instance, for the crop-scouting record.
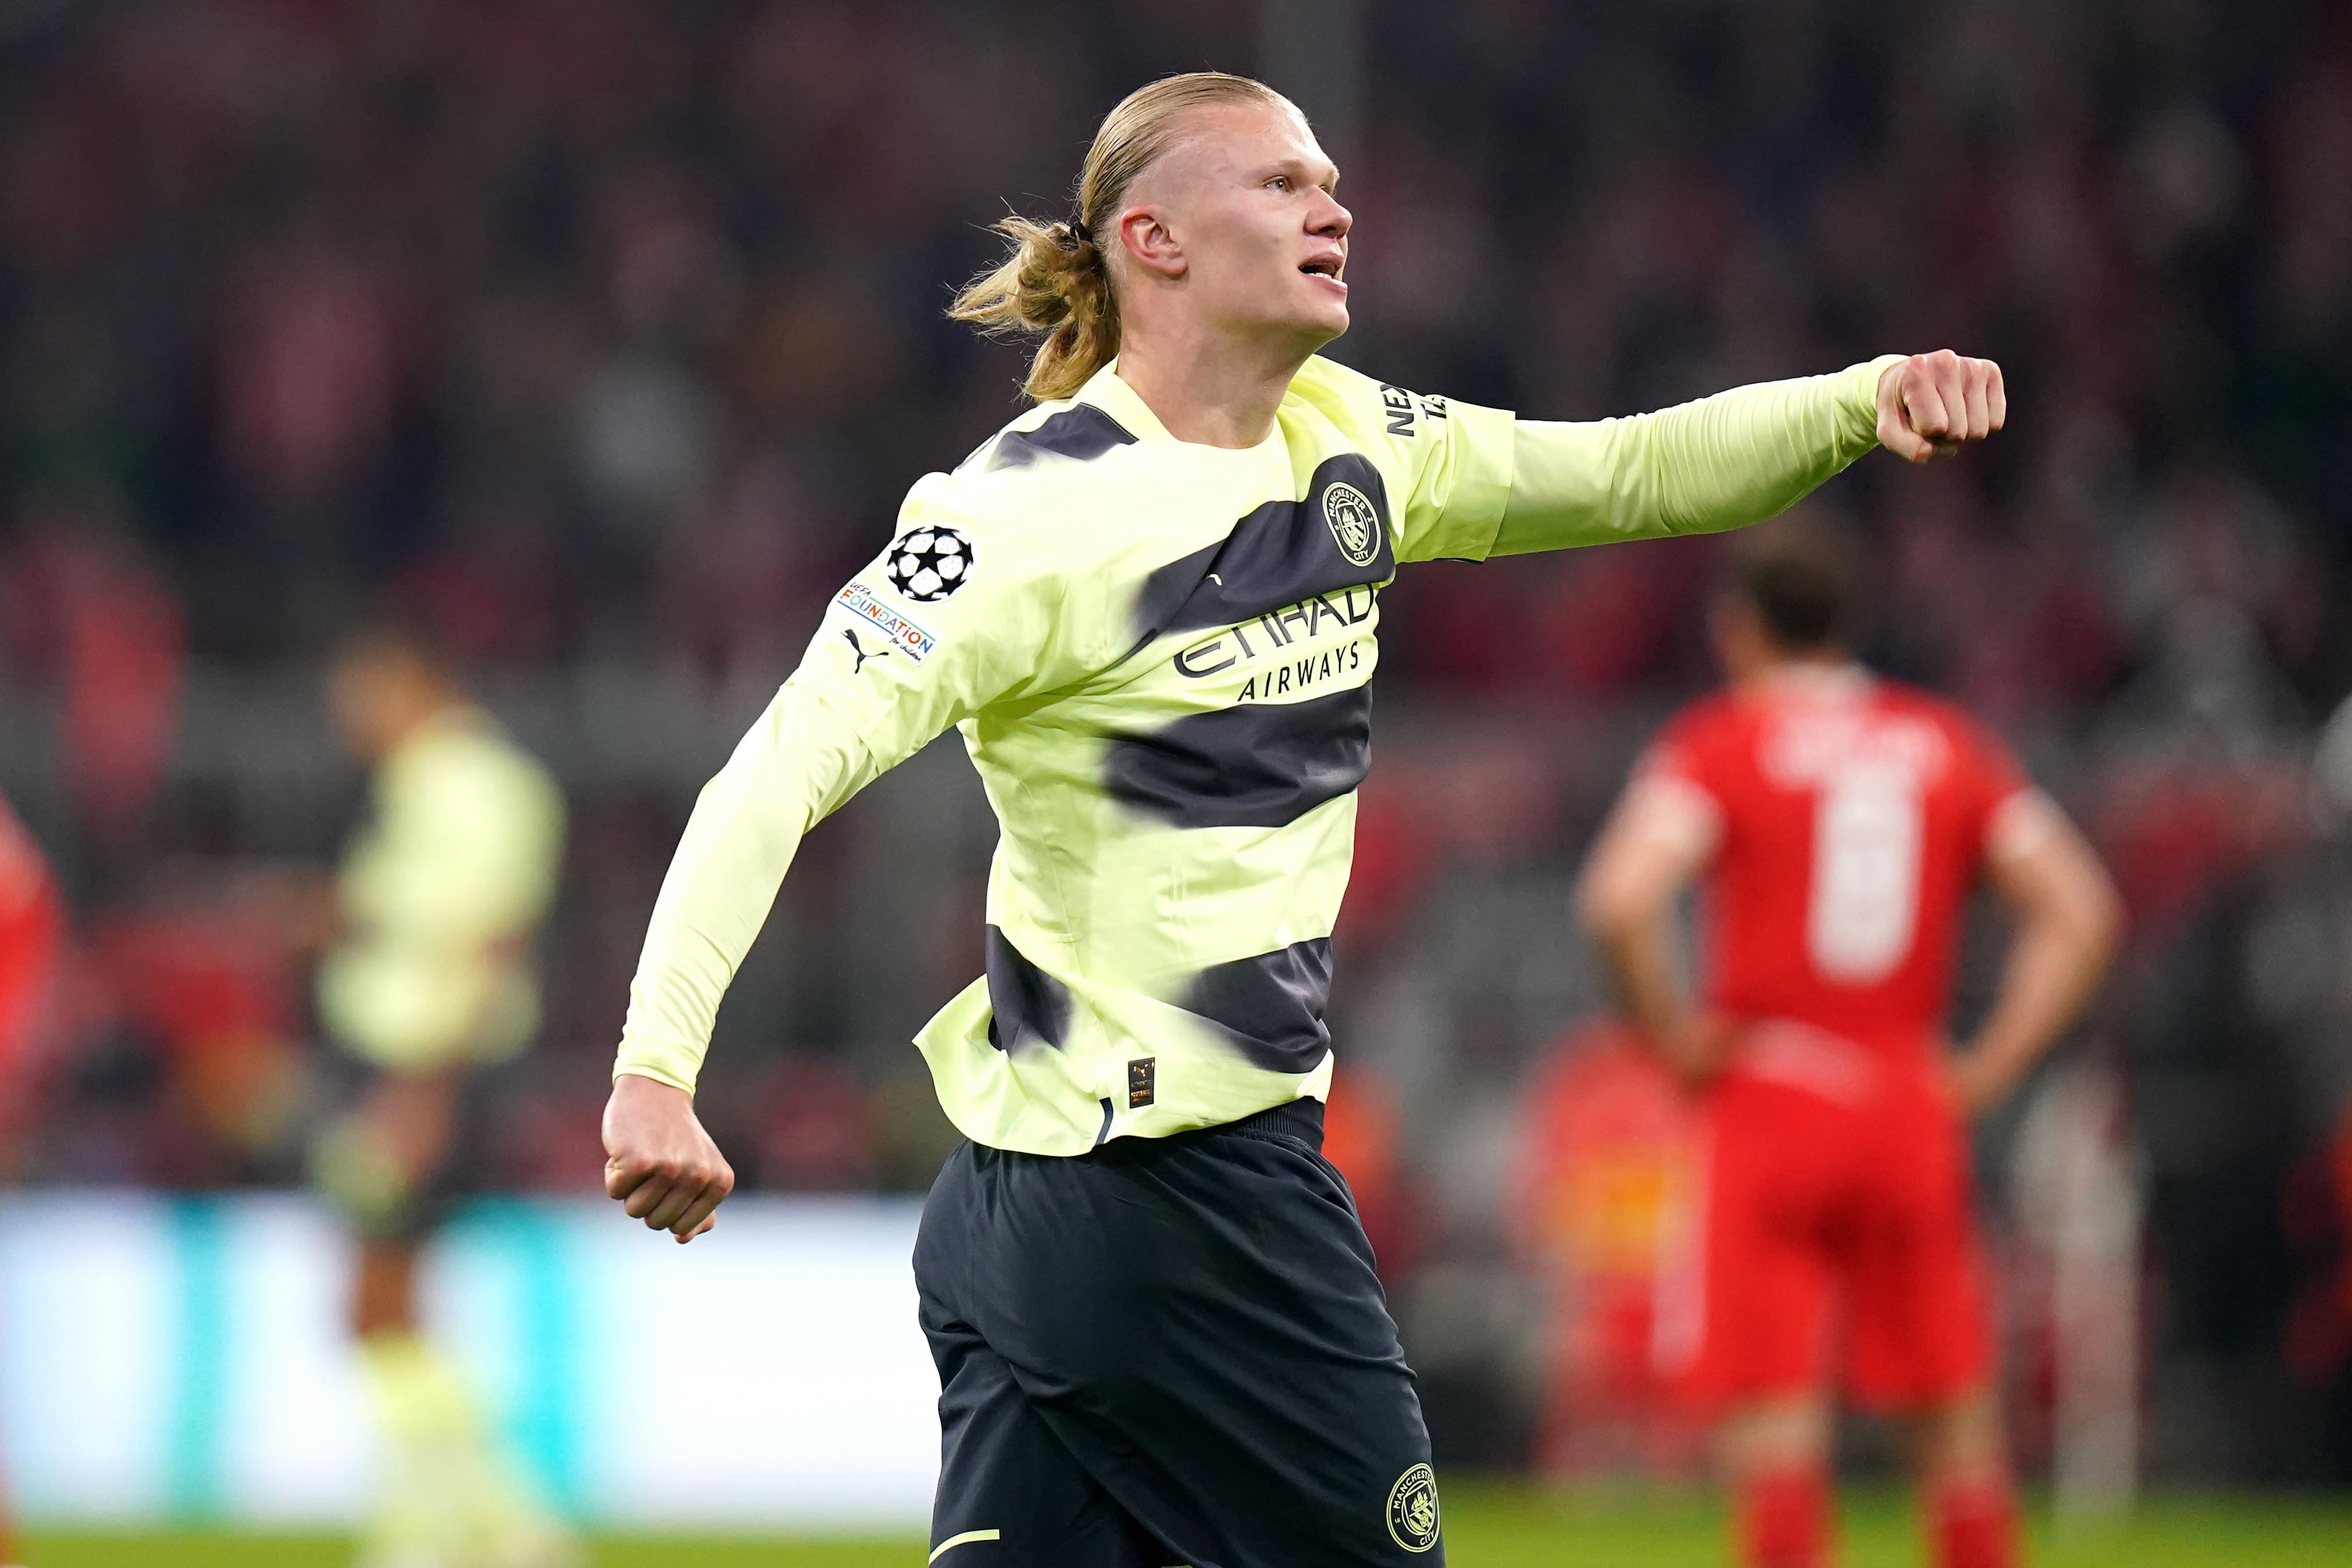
(1149, 604)
(429, 985)
(1840, 821)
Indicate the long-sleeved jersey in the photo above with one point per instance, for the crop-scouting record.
(1159, 654)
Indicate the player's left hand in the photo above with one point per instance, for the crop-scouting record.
(1931, 405)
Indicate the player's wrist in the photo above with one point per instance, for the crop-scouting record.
(647, 1113)
(639, 1078)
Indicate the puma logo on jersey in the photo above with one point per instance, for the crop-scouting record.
(858, 648)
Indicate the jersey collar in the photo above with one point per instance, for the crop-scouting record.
(1117, 398)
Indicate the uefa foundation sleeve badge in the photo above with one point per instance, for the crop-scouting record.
(1412, 1509)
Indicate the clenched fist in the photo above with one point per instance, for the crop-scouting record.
(659, 1162)
(1930, 404)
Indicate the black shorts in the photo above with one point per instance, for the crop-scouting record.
(1168, 1350)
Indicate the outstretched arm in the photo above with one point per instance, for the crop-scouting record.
(1739, 456)
(2067, 916)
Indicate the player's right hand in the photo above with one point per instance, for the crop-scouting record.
(1931, 405)
(658, 1162)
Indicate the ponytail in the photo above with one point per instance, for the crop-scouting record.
(1058, 281)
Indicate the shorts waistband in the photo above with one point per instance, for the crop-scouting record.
(1300, 1119)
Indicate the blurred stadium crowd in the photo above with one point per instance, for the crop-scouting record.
(604, 337)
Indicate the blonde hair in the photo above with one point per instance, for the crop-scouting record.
(1057, 279)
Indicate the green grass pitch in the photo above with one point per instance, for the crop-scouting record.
(1487, 1526)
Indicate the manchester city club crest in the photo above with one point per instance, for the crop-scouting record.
(1412, 1509)
(1354, 524)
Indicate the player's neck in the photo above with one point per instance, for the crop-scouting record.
(423, 714)
(1800, 672)
(1208, 387)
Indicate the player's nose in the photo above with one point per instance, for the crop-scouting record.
(1328, 218)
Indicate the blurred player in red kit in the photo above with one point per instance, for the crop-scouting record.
(32, 940)
(1837, 823)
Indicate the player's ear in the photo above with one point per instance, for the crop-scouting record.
(1150, 243)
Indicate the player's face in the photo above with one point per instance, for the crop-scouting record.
(1245, 198)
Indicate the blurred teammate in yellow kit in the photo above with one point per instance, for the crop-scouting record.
(427, 983)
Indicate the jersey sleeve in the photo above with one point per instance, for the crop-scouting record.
(948, 620)
(1459, 455)
(1682, 785)
(1681, 756)
(1722, 461)
(1448, 463)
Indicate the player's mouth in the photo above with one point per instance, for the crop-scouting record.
(1324, 270)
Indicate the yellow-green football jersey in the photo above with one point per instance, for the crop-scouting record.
(1159, 654)
(440, 893)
